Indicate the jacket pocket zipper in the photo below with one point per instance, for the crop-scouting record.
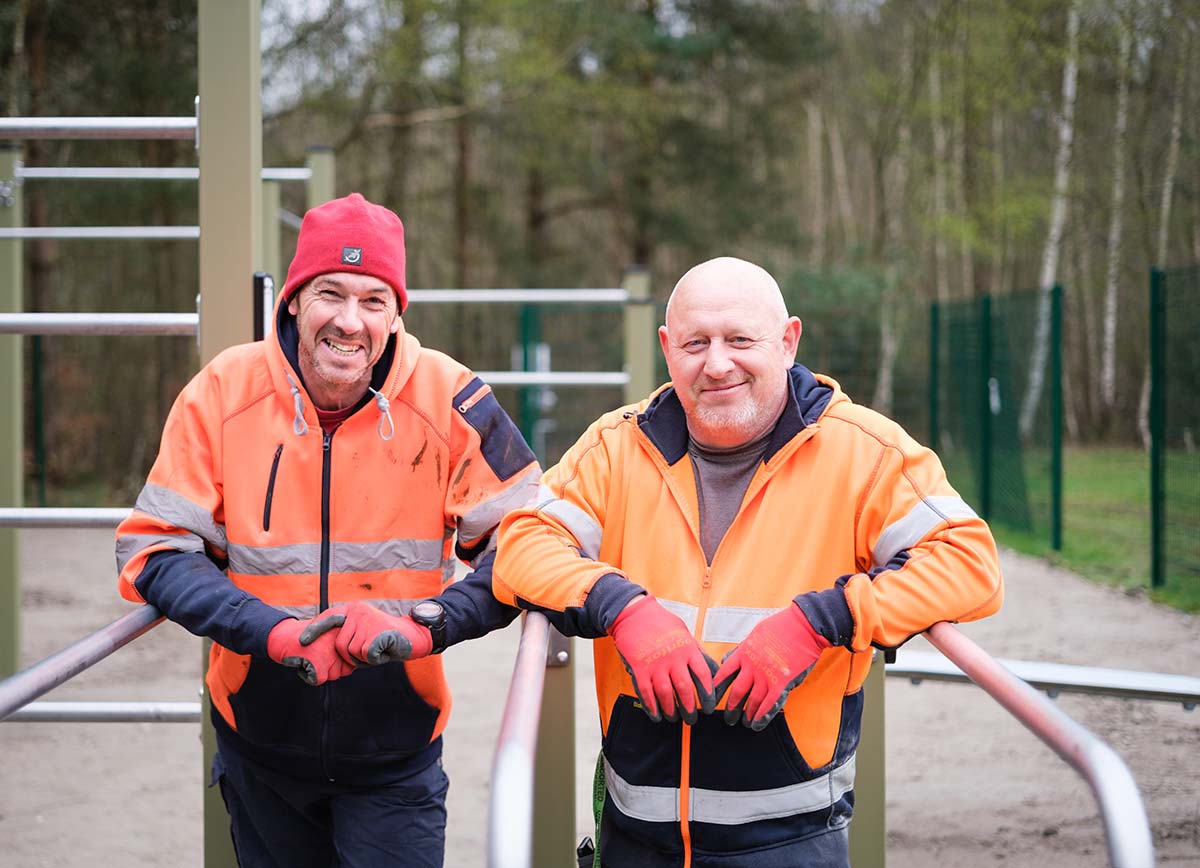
(271, 488)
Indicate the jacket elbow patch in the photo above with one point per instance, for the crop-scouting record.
(501, 443)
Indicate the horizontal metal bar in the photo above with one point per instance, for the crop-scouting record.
(141, 173)
(40, 678)
(99, 323)
(519, 296)
(103, 233)
(1121, 809)
(56, 516)
(510, 807)
(98, 128)
(554, 378)
(106, 712)
(1057, 678)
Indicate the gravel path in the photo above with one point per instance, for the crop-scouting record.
(967, 785)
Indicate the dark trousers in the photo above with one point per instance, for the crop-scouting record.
(279, 821)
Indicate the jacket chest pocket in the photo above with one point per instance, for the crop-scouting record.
(270, 493)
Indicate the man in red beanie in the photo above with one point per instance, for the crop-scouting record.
(304, 512)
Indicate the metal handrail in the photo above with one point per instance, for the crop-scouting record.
(1122, 812)
(141, 173)
(99, 323)
(103, 233)
(42, 677)
(84, 711)
(62, 516)
(98, 128)
(510, 808)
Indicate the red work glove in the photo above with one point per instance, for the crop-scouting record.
(364, 634)
(315, 663)
(766, 665)
(669, 669)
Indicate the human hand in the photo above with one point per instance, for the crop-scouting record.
(670, 671)
(761, 671)
(363, 634)
(315, 662)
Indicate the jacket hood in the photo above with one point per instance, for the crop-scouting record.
(809, 396)
(388, 377)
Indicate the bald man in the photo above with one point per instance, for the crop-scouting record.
(747, 512)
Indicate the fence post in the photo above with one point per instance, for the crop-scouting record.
(985, 406)
(1158, 426)
(230, 137)
(271, 260)
(1056, 418)
(12, 437)
(640, 344)
(554, 773)
(530, 410)
(868, 831)
(322, 184)
(934, 373)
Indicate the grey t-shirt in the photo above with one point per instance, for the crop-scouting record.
(722, 477)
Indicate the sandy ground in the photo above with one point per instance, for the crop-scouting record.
(967, 785)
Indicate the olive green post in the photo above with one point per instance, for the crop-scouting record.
(641, 345)
(230, 237)
(868, 831)
(554, 776)
(12, 438)
(322, 185)
(271, 258)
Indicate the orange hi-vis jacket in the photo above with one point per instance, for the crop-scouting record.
(846, 515)
(252, 513)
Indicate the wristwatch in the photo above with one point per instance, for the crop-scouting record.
(429, 613)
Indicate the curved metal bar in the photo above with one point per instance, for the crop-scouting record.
(98, 128)
(40, 678)
(106, 712)
(510, 808)
(99, 323)
(1121, 809)
(62, 516)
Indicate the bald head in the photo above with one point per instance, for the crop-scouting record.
(729, 343)
(726, 280)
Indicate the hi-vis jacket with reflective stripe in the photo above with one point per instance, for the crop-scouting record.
(251, 512)
(844, 502)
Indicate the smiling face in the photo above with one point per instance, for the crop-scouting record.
(729, 344)
(344, 322)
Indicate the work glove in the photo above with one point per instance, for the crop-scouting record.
(315, 662)
(761, 671)
(364, 634)
(670, 671)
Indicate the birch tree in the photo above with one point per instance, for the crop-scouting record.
(1058, 216)
(941, 277)
(1108, 363)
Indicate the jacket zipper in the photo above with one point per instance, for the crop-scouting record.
(326, 460)
(271, 488)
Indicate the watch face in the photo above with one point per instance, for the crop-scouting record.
(427, 610)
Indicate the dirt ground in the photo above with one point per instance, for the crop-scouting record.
(967, 785)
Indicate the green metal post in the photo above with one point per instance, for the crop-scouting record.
(530, 399)
(554, 776)
(271, 258)
(1056, 419)
(1158, 427)
(935, 357)
(868, 832)
(12, 434)
(641, 346)
(321, 186)
(230, 80)
(985, 406)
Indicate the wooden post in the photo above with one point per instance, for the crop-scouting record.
(12, 432)
(554, 777)
(868, 831)
(641, 343)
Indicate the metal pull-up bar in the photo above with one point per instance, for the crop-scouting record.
(98, 128)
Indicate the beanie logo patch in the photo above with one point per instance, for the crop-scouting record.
(351, 256)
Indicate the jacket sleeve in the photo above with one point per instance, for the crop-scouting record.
(492, 470)
(171, 549)
(924, 556)
(549, 552)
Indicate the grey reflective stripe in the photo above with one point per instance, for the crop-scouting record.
(581, 525)
(911, 529)
(305, 558)
(729, 807)
(490, 547)
(487, 515)
(721, 623)
(448, 566)
(128, 545)
(391, 607)
(175, 509)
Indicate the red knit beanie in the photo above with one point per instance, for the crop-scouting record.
(353, 235)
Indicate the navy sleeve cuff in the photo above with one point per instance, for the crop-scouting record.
(829, 614)
(472, 610)
(609, 595)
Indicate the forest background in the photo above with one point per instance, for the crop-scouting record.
(875, 155)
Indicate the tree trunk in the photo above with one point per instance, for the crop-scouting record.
(841, 184)
(1058, 215)
(1108, 357)
(1000, 241)
(940, 272)
(816, 181)
(962, 175)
